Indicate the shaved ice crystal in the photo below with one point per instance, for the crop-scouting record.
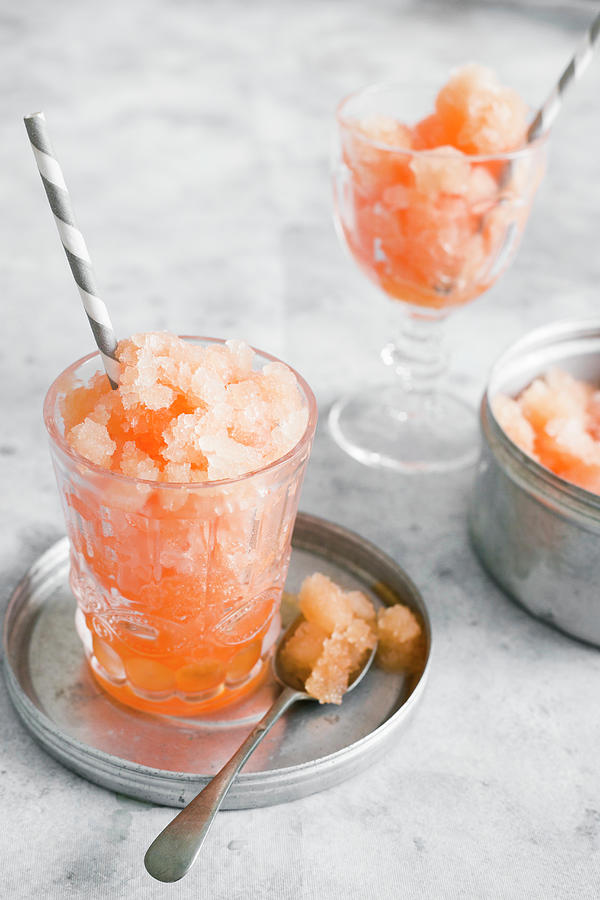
(327, 648)
(511, 419)
(186, 412)
(480, 115)
(324, 603)
(387, 131)
(93, 441)
(444, 170)
(303, 649)
(338, 631)
(401, 642)
(328, 680)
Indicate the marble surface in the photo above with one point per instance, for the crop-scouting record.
(195, 137)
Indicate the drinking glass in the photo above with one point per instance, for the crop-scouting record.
(178, 586)
(433, 229)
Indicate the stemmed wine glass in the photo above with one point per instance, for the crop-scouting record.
(434, 229)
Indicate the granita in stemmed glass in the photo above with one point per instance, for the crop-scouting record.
(432, 212)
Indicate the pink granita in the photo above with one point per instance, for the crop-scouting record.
(401, 641)
(333, 640)
(479, 114)
(339, 629)
(424, 217)
(186, 412)
(556, 421)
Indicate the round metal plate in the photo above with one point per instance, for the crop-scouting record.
(168, 760)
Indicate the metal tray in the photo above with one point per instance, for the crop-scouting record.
(167, 760)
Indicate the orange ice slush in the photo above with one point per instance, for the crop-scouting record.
(556, 421)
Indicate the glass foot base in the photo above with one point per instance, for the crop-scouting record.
(386, 427)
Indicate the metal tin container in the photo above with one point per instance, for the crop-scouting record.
(536, 534)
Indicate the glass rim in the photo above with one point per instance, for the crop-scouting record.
(60, 441)
(528, 149)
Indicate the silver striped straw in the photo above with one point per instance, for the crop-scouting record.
(73, 243)
(577, 66)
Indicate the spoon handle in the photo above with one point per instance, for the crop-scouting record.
(173, 852)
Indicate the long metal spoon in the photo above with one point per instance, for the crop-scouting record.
(174, 851)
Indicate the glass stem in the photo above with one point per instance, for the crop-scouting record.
(417, 352)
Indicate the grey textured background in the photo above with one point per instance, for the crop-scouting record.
(195, 141)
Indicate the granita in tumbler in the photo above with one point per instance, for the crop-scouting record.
(180, 491)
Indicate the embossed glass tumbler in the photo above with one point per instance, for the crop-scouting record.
(178, 586)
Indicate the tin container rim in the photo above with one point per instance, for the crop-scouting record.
(533, 476)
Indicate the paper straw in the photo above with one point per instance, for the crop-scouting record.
(577, 66)
(73, 243)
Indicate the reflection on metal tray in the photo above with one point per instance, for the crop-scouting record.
(167, 760)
